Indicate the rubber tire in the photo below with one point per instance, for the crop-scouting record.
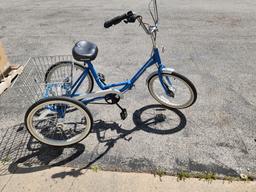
(189, 83)
(65, 62)
(80, 104)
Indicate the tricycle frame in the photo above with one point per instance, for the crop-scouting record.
(125, 85)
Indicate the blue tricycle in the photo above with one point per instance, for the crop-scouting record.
(64, 119)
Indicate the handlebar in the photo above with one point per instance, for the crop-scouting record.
(115, 20)
(128, 17)
(131, 17)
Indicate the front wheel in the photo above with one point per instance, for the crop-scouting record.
(58, 121)
(180, 92)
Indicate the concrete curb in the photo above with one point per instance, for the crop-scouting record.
(68, 179)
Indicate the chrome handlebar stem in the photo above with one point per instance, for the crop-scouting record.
(150, 30)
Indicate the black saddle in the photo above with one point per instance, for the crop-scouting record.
(84, 50)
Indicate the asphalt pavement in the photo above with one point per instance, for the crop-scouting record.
(210, 42)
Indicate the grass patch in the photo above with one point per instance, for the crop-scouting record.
(95, 168)
(208, 176)
(160, 173)
(5, 160)
(183, 175)
(229, 179)
(244, 177)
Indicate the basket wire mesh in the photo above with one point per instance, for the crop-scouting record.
(32, 83)
(30, 86)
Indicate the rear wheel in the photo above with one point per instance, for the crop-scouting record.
(181, 91)
(58, 121)
(61, 72)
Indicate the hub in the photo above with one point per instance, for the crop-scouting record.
(60, 126)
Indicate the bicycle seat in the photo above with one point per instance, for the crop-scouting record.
(84, 50)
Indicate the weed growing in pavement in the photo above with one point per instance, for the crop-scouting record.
(5, 160)
(183, 175)
(160, 173)
(208, 176)
(95, 168)
(244, 177)
(229, 179)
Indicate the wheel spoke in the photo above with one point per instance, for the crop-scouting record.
(180, 94)
(61, 73)
(59, 128)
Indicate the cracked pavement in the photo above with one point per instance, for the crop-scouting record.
(211, 43)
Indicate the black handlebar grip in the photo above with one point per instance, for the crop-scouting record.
(115, 20)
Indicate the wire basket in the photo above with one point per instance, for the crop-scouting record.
(26, 89)
(33, 79)
(31, 86)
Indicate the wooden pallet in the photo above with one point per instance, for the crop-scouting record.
(8, 72)
(6, 82)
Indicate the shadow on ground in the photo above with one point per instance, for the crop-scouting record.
(20, 153)
(23, 154)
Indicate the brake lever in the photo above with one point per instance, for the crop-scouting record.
(131, 17)
(126, 21)
(129, 20)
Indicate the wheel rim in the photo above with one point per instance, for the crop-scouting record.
(61, 72)
(183, 93)
(49, 127)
